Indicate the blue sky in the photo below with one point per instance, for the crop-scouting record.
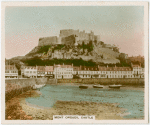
(120, 25)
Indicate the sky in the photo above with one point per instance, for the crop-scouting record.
(119, 25)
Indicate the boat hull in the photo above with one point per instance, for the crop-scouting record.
(115, 86)
(97, 86)
(83, 87)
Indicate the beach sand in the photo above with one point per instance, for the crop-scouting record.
(100, 110)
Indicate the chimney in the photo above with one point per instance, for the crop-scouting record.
(63, 63)
(107, 66)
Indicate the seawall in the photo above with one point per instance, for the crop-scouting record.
(14, 87)
(105, 81)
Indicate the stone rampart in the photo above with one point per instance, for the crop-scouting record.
(47, 41)
(70, 40)
(105, 81)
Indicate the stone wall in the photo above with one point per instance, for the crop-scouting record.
(81, 35)
(67, 37)
(70, 40)
(51, 81)
(68, 32)
(47, 41)
(105, 81)
(14, 87)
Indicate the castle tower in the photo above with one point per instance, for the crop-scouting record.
(59, 40)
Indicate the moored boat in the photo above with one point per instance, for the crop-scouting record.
(83, 86)
(34, 87)
(115, 86)
(98, 86)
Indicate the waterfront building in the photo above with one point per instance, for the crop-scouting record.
(142, 73)
(119, 72)
(41, 71)
(84, 72)
(63, 71)
(70, 71)
(29, 71)
(138, 71)
(88, 72)
(102, 72)
(49, 71)
(11, 71)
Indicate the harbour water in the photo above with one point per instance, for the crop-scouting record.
(132, 100)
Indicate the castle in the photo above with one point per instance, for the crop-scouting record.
(69, 37)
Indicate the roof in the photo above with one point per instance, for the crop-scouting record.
(28, 67)
(41, 68)
(10, 67)
(49, 68)
(88, 68)
(115, 69)
(63, 66)
(76, 68)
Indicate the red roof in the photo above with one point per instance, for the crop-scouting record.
(41, 68)
(49, 69)
(28, 67)
(76, 68)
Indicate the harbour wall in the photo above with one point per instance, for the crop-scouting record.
(105, 81)
(14, 87)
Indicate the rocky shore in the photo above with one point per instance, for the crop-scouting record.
(13, 109)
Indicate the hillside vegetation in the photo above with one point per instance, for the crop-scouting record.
(76, 62)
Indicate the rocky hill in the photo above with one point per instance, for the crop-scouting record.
(72, 46)
(98, 52)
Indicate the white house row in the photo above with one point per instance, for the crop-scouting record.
(70, 71)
